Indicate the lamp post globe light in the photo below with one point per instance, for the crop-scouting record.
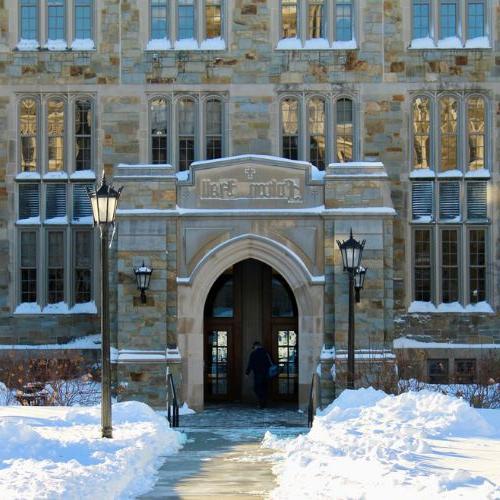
(104, 201)
(352, 254)
(143, 277)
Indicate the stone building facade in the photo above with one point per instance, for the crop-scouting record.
(250, 136)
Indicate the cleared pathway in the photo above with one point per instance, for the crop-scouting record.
(223, 457)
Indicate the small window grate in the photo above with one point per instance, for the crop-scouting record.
(29, 201)
(56, 201)
(422, 205)
(477, 200)
(449, 201)
(81, 202)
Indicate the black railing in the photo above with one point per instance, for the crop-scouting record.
(172, 403)
(314, 399)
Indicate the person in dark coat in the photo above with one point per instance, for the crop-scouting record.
(259, 363)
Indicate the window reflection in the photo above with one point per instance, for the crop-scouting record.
(317, 136)
(287, 362)
(282, 300)
(290, 128)
(315, 21)
(421, 132)
(289, 18)
(448, 108)
(213, 19)
(476, 129)
(185, 19)
(217, 373)
(83, 135)
(214, 129)
(28, 131)
(344, 131)
(159, 124)
(55, 113)
(186, 133)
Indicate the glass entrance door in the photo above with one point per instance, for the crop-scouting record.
(217, 356)
(285, 347)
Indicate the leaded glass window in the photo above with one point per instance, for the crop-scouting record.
(289, 22)
(83, 266)
(83, 135)
(343, 20)
(476, 112)
(185, 20)
(475, 18)
(186, 138)
(28, 19)
(421, 132)
(56, 20)
(55, 132)
(159, 19)
(159, 130)
(448, 108)
(213, 128)
(448, 17)
(28, 266)
(83, 19)
(344, 130)
(317, 135)
(449, 265)
(55, 276)
(213, 19)
(315, 19)
(28, 130)
(421, 18)
(290, 128)
(422, 266)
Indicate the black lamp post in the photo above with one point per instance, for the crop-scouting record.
(143, 277)
(352, 253)
(104, 202)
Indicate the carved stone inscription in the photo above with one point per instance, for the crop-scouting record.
(248, 184)
(234, 189)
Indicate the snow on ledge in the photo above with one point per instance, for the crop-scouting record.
(451, 173)
(83, 44)
(159, 44)
(422, 43)
(482, 173)
(451, 42)
(315, 44)
(186, 44)
(217, 43)
(480, 42)
(289, 44)
(29, 221)
(56, 45)
(407, 343)
(425, 173)
(24, 44)
(453, 307)
(55, 176)
(59, 308)
(23, 176)
(83, 174)
(28, 308)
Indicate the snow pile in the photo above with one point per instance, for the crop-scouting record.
(57, 452)
(367, 442)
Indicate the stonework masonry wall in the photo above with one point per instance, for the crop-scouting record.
(381, 74)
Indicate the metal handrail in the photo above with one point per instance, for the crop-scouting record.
(172, 403)
(314, 399)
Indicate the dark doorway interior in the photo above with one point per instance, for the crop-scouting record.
(249, 302)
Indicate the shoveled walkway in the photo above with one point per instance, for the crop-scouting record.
(223, 457)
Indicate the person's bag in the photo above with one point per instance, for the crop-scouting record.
(273, 369)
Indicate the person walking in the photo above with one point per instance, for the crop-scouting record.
(259, 363)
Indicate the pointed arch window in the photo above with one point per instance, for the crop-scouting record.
(159, 130)
(448, 123)
(290, 128)
(83, 134)
(476, 118)
(317, 132)
(213, 127)
(55, 133)
(186, 138)
(28, 130)
(421, 132)
(344, 130)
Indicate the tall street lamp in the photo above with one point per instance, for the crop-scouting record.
(104, 201)
(352, 253)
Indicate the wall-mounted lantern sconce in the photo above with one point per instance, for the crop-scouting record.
(143, 277)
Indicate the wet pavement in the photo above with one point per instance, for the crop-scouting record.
(223, 456)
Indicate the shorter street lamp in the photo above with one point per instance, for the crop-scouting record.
(352, 253)
(104, 201)
(143, 277)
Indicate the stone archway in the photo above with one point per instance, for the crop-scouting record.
(193, 290)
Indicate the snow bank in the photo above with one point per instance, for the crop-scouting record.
(57, 452)
(367, 442)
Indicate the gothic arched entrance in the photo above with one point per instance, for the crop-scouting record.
(249, 301)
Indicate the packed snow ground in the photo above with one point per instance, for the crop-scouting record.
(370, 445)
(57, 452)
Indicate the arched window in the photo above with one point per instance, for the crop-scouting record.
(344, 130)
(213, 127)
(448, 123)
(28, 125)
(55, 132)
(317, 136)
(476, 111)
(83, 134)
(159, 130)
(290, 128)
(421, 132)
(186, 137)
(220, 303)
